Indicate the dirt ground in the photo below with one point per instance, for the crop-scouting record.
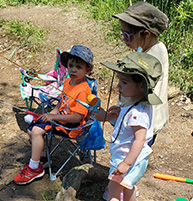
(172, 151)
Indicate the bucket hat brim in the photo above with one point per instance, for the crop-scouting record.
(151, 97)
(129, 19)
(143, 14)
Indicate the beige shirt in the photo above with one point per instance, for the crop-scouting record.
(160, 112)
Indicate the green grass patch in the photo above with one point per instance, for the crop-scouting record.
(179, 41)
(178, 38)
(26, 33)
(48, 195)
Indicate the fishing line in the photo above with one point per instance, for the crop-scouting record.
(108, 102)
(37, 75)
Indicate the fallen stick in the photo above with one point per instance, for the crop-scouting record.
(8, 145)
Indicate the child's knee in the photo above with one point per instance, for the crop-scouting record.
(36, 131)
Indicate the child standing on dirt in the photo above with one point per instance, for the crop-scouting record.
(138, 74)
(141, 25)
(79, 63)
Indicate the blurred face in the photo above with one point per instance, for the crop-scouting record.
(132, 40)
(77, 70)
(128, 88)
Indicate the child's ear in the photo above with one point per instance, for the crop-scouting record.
(88, 70)
(141, 85)
(147, 33)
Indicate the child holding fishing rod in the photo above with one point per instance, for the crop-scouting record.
(70, 112)
(138, 74)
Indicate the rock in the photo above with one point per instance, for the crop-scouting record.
(66, 195)
(173, 91)
(73, 179)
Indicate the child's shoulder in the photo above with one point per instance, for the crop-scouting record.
(67, 80)
(142, 112)
(83, 87)
(157, 49)
(142, 108)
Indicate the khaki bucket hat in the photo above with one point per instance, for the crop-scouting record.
(143, 14)
(142, 64)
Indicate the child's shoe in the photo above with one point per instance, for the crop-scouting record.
(27, 174)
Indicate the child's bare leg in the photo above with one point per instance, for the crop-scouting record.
(37, 143)
(129, 194)
(114, 191)
(34, 170)
(30, 134)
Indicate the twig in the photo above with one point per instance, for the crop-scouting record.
(8, 145)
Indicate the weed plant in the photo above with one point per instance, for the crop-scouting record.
(179, 41)
(26, 33)
(178, 38)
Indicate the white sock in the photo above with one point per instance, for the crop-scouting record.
(33, 164)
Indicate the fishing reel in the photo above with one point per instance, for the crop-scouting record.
(94, 102)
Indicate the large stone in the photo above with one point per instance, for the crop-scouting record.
(73, 179)
(173, 91)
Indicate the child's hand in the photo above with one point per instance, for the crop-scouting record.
(47, 117)
(100, 115)
(112, 114)
(115, 110)
(122, 168)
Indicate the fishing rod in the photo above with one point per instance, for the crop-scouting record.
(92, 102)
(35, 115)
(9, 60)
(172, 178)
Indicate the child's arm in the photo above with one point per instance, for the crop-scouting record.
(55, 110)
(140, 136)
(55, 116)
(68, 118)
(112, 114)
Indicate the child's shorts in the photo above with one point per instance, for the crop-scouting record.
(133, 175)
(47, 127)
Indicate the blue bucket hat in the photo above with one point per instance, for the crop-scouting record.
(80, 51)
